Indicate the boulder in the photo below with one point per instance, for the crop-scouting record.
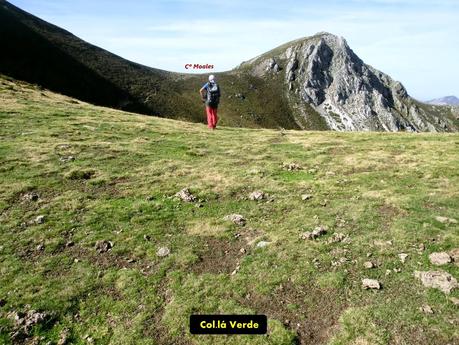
(163, 251)
(263, 244)
(437, 280)
(185, 195)
(371, 284)
(236, 219)
(440, 258)
(103, 246)
(257, 195)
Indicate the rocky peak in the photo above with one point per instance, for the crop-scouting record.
(324, 72)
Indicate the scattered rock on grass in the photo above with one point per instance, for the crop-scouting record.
(445, 220)
(185, 195)
(437, 280)
(440, 258)
(291, 166)
(427, 309)
(163, 251)
(31, 196)
(403, 257)
(40, 219)
(257, 195)
(66, 159)
(236, 219)
(103, 246)
(147, 237)
(24, 322)
(311, 235)
(368, 264)
(371, 284)
(262, 244)
(305, 197)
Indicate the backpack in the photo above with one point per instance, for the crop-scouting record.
(213, 95)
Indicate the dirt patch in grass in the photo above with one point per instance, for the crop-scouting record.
(388, 214)
(311, 312)
(108, 259)
(218, 256)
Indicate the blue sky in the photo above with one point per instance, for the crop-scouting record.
(414, 41)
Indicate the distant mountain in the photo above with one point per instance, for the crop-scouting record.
(315, 82)
(448, 100)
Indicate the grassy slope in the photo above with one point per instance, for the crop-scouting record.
(384, 187)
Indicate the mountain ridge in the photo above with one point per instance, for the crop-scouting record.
(447, 100)
(311, 94)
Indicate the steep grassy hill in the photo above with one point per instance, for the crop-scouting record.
(39, 52)
(73, 175)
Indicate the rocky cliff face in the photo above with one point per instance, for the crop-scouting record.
(325, 73)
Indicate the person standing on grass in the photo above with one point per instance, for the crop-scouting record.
(211, 98)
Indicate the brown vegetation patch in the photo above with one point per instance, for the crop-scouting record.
(315, 316)
(218, 256)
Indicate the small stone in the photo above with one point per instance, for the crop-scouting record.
(31, 196)
(317, 232)
(263, 244)
(324, 203)
(257, 195)
(426, 309)
(185, 195)
(369, 255)
(388, 272)
(147, 237)
(242, 250)
(76, 261)
(440, 258)
(40, 219)
(402, 257)
(371, 284)
(454, 300)
(305, 197)
(330, 173)
(445, 220)
(163, 251)
(236, 219)
(66, 159)
(397, 270)
(103, 246)
(368, 264)
(421, 247)
(70, 244)
(40, 247)
(291, 166)
(437, 280)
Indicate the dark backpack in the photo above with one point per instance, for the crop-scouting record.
(213, 95)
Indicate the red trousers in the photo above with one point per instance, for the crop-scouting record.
(212, 117)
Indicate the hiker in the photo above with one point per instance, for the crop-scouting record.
(211, 99)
